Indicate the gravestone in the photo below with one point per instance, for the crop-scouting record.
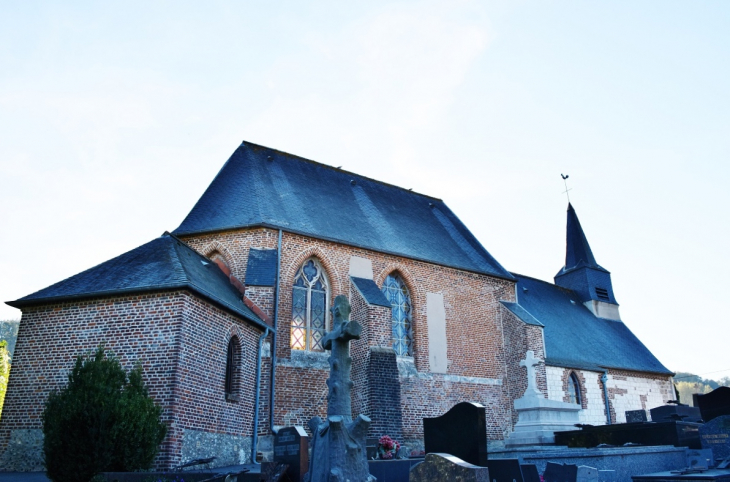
(586, 474)
(505, 470)
(339, 449)
(560, 472)
(291, 447)
(701, 459)
(676, 413)
(447, 468)
(715, 435)
(713, 404)
(635, 416)
(461, 432)
(538, 418)
(530, 473)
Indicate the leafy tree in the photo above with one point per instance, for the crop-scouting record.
(4, 371)
(102, 421)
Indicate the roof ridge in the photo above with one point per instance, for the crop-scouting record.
(344, 171)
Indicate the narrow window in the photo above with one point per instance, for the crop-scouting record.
(310, 307)
(401, 314)
(574, 389)
(232, 363)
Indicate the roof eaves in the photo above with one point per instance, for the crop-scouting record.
(340, 241)
(22, 303)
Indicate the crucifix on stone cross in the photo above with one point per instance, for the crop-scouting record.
(530, 362)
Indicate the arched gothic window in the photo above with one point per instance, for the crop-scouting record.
(400, 301)
(574, 389)
(233, 358)
(310, 307)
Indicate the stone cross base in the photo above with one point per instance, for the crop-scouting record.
(539, 419)
(338, 450)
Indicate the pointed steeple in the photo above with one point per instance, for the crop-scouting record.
(578, 252)
(581, 273)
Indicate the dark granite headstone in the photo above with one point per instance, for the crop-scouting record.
(462, 432)
(291, 447)
(445, 467)
(713, 404)
(635, 416)
(715, 435)
(560, 472)
(505, 470)
(701, 459)
(679, 434)
(675, 413)
(530, 473)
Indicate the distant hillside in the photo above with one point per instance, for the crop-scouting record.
(9, 333)
(689, 383)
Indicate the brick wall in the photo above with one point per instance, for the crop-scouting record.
(476, 352)
(520, 337)
(180, 340)
(626, 391)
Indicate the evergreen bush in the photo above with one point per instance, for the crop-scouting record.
(103, 421)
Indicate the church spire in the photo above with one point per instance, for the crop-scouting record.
(581, 274)
(578, 252)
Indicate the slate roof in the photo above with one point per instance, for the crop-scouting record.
(261, 267)
(259, 186)
(575, 338)
(578, 253)
(370, 291)
(165, 263)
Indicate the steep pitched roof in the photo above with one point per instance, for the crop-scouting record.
(259, 186)
(575, 338)
(578, 252)
(165, 263)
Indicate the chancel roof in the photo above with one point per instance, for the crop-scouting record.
(259, 186)
(165, 263)
(574, 337)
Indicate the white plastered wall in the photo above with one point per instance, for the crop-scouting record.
(626, 394)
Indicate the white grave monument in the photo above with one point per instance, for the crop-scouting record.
(539, 418)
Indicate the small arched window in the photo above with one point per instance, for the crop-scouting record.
(233, 359)
(396, 292)
(574, 389)
(310, 307)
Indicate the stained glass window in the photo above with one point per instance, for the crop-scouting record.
(400, 301)
(232, 361)
(310, 307)
(573, 389)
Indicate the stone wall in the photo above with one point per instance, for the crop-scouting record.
(626, 391)
(180, 341)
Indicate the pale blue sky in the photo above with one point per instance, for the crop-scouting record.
(114, 119)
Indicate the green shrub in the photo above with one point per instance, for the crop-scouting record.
(103, 421)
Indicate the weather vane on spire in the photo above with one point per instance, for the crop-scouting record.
(565, 176)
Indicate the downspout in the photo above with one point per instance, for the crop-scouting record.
(273, 336)
(604, 380)
(255, 442)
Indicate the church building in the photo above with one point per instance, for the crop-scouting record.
(227, 314)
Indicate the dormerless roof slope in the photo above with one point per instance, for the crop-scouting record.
(574, 337)
(163, 264)
(259, 186)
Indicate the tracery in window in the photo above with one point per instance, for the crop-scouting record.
(310, 307)
(574, 389)
(233, 358)
(400, 301)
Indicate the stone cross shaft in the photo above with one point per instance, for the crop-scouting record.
(338, 340)
(530, 362)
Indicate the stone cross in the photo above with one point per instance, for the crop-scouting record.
(338, 445)
(530, 362)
